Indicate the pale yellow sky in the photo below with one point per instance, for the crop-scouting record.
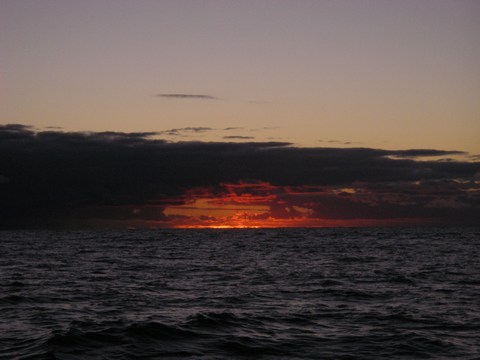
(316, 73)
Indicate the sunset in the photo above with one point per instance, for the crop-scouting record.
(219, 179)
(136, 180)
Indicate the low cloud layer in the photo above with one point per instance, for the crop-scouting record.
(53, 178)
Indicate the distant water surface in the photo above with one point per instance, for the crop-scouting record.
(228, 294)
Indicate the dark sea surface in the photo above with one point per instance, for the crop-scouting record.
(232, 294)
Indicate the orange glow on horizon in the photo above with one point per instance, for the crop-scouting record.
(262, 205)
(305, 223)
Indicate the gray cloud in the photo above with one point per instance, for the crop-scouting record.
(188, 96)
(4, 179)
(232, 137)
(340, 142)
(190, 129)
(425, 152)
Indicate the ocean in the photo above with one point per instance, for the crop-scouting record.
(345, 293)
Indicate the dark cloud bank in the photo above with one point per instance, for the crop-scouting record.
(55, 179)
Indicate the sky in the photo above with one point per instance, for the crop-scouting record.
(272, 113)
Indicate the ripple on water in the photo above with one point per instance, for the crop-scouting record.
(297, 293)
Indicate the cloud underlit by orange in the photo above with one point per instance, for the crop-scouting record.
(143, 182)
(263, 205)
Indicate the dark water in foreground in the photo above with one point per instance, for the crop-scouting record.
(214, 294)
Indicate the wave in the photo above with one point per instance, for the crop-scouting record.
(155, 339)
(280, 294)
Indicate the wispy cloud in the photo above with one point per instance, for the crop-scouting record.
(330, 141)
(191, 130)
(181, 131)
(188, 96)
(340, 142)
(232, 137)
